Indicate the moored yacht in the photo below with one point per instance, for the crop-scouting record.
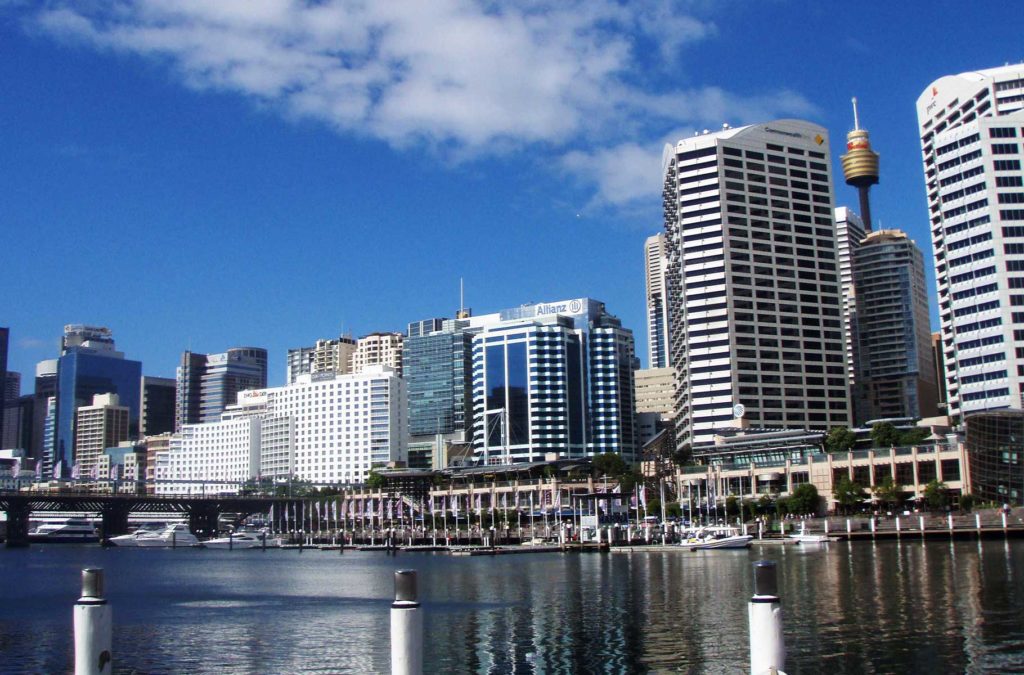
(66, 531)
(171, 536)
(242, 540)
(131, 539)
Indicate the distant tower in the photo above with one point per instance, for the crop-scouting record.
(860, 166)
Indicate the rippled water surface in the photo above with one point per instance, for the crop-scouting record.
(860, 608)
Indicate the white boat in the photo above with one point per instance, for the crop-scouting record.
(66, 531)
(733, 541)
(144, 530)
(715, 537)
(170, 537)
(242, 540)
(803, 538)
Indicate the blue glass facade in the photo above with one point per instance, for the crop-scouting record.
(437, 367)
(81, 374)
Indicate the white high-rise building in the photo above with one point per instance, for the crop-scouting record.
(101, 425)
(324, 428)
(327, 356)
(754, 292)
(656, 264)
(378, 349)
(849, 234)
(971, 128)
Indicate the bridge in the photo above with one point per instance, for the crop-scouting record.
(203, 512)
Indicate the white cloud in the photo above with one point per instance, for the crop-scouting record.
(469, 77)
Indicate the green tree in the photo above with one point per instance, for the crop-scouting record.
(374, 480)
(914, 436)
(840, 439)
(935, 495)
(732, 505)
(888, 492)
(765, 505)
(967, 502)
(783, 506)
(848, 494)
(804, 499)
(682, 455)
(884, 435)
(610, 464)
(674, 510)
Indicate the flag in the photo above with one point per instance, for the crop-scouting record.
(455, 505)
(39, 469)
(479, 504)
(113, 472)
(504, 500)
(76, 471)
(16, 469)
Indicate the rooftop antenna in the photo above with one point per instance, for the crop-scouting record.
(856, 120)
(462, 302)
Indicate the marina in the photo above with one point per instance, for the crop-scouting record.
(885, 606)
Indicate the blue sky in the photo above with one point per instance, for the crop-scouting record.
(213, 174)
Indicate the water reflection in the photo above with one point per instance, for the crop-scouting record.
(867, 607)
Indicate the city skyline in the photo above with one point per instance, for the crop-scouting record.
(215, 223)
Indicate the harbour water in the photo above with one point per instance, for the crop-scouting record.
(886, 607)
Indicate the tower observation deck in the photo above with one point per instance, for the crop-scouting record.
(860, 166)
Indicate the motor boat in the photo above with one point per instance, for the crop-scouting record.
(803, 538)
(171, 536)
(715, 537)
(145, 530)
(727, 541)
(242, 540)
(66, 531)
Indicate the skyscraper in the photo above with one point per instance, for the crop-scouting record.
(656, 264)
(849, 234)
(207, 383)
(896, 370)
(383, 349)
(553, 378)
(438, 362)
(102, 424)
(753, 282)
(90, 365)
(158, 402)
(971, 127)
(326, 356)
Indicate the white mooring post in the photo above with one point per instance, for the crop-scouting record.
(949, 519)
(848, 527)
(92, 619)
(767, 648)
(977, 523)
(406, 626)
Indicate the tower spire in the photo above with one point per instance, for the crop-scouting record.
(860, 165)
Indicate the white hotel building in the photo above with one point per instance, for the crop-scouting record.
(326, 428)
(972, 143)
